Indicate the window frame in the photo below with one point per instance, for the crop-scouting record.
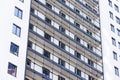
(12, 65)
(16, 30)
(14, 46)
(18, 12)
(116, 71)
(112, 28)
(113, 41)
(114, 55)
(44, 70)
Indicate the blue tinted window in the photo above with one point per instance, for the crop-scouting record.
(14, 48)
(16, 30)
(18, 13)
(12, 69)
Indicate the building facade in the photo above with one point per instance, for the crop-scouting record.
(64, 41)
(110, 32)
(14, 32)
(59, 40)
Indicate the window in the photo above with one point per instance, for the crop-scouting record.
(29, 44)
(62, 29)
(89, 47)
(46, 71)
(60, 78)
(112, 28)
(77, 39)
(46, 53)
(119, 45)
(90, 78)
(61, 62)
(78, 72)
(63, 1)
(116, 71)
(117, 20)
(77, 25)
(114, 55)
(14, 48)
(12, 69)
(16, 30)
(32, 10)
(62, 45)
(110, 3)
(118, 31)
(18, 13)
(111, 15)
(90, 62)
(90, 33)
(26, 79)
(21, 0)
(47, 20)
(88, 18)
(48, 5)
(62, 14)
(28, 62)
(78, 55)
(116, 8)
(47, 36)
(113, 41)
(77, 11)
(31, 26)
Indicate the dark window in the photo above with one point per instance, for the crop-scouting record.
(62, 14)
(110, 3)
(29, 44)
(114, 55)
(118, 31)
(88, 18)
(90, 62)
(47, 36)
(18, 13)
(89, 47)
(113, 41)
(47, 20)
(111, 15)
(32, 10)
(16, 30)
(77, 25)
(116, 71)
(63, 1)
(46, 53)
(78, 72)
(112, 28)
(62, 45)
(90, 33)
(78, 55)
(61, 62)
(48, 5)
(60, 78)
(12, 69)
(88, 6)
(14, 48)
(117, 20)
(28, 62)
(77, 39)
(31, 26)
(21, 0)
(119, 45)
(46, 72)
(26, 79)
(116, 8)
(77, 11)
(62, 29)
(90, 78)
